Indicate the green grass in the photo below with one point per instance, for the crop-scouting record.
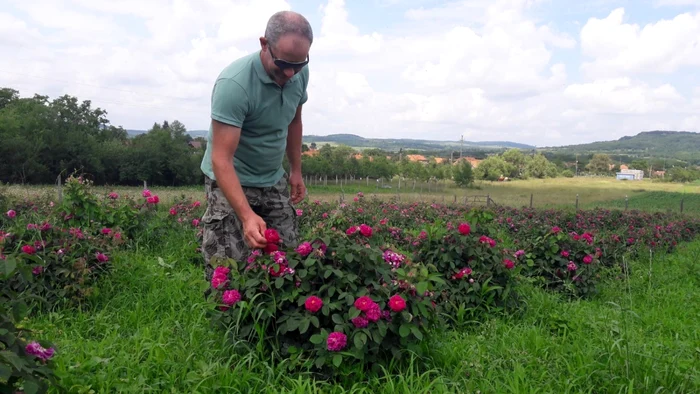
(148, 331)
(656, 201)
(546, 193)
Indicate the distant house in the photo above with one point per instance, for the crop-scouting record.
(623, 167)
(310, 152)
(659, 174)
(195, 144)
(417, 158)
(637, 175)
(440, 160)
(472, 160)
(358, 156)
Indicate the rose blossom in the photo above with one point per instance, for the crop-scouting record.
(364, 303)
(304, 249)
(35, 349)
(313, 304)
(336, 341)
(231, 297)
(360, 322)
(397, 303)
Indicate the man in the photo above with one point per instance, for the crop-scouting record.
(256, 117)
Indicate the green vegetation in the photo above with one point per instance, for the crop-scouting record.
(148, 330)
(43, 139)
(655, 201)
(680, 145)
(394, 144)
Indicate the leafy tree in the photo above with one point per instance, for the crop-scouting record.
(463, 174)
(539, 167)
(492, 168)
(599, 164)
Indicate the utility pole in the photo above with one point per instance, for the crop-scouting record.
(461, 146)
(576, 165)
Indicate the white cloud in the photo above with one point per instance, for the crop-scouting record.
(623, 96)
(485, 69)
(618, 48)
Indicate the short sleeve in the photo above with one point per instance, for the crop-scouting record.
(305, 80)
(229, 102)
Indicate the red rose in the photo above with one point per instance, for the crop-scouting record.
(397, 303)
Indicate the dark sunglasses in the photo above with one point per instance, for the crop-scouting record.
(283, 64)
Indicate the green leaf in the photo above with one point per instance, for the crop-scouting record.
(354, 312)
(292, 324)
(316, 339)
(320, 361)
(337, 360)
(404, 330)
(30, 387)
(421, 288)
(19, 310)
(279, 282)
(315, 322)
(349, 257)
(327, 273)
(12, 358)
(5, 372)
(337, 319)
(360, 340)
(417, 332)
(304, 326)
(10, 265)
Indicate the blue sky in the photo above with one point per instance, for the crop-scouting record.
(544, 72)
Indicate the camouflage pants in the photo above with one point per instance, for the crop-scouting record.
(223, 231)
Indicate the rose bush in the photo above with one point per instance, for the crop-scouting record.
(478, 272)
(342, 296)
(25, 362)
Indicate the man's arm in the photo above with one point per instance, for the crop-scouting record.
(224, 144)
(294, 134)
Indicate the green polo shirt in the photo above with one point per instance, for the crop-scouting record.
(245, 96)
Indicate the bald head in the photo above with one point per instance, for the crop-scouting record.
(287, 22)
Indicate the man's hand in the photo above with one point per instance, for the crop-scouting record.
(254, 231)
(297, 187)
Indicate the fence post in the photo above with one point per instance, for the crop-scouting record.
(455, 200)
(531, 200)
(145, 186)
(577, 202)
(626, 203)
(60, 189)
(488, 200)
(681, 205)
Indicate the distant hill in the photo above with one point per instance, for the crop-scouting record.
(392, 144)
(193, 133)
(682, 145)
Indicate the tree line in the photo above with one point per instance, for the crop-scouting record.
(42, 139)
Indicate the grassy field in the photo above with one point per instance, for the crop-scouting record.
(148, 331)
(558, 193)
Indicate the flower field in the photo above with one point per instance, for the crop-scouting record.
(381, 296)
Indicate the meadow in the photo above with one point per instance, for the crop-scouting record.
(592, 192)
(626, 323)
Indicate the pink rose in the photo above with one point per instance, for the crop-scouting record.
(397, 303)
